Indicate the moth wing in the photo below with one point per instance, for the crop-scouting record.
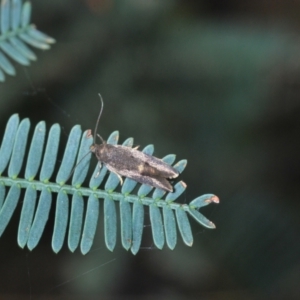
(150, 165)
(155, 181)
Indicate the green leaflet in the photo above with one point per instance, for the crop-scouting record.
(16, 32)
(77, 207)
(61, 220)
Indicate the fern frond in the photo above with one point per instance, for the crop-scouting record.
(16, 32)
(76, 219)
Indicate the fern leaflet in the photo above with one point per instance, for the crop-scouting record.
(73, 218)
(16, 32)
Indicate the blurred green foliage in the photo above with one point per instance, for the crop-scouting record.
(218, 84)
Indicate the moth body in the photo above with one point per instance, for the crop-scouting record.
(134, 164)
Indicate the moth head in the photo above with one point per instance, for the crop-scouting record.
(99, 150)
(96, 148)
(93, 148)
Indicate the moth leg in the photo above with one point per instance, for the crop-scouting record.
(135, 148)
(120, 178)
(112, 170)
(99, 169)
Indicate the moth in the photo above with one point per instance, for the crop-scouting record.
(132, 163)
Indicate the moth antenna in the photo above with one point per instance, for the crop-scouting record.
(97, 123)
(71, 173)
(100, 137)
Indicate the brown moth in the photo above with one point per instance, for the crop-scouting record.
(132, 163)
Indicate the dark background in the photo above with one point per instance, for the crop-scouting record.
(217, 83)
